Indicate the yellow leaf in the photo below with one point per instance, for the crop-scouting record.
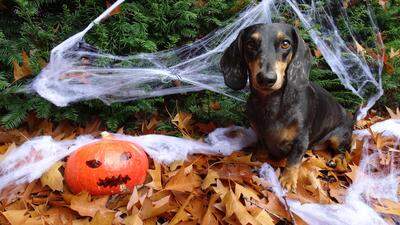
(229, 202)
(209, 218)
(220, 189)
(81, 222)
(100, 218)
(15, 217)
(388, 207)
(156, 176)
(360, 49)
(393, 115)
(246, 192)
(181, 215)
(262, 216)
(34, 221)
(394, 53)
(233, 205)
(149, 210)
(53, 177)
(210, 179)
(133, 220)
(82, 204)
(183, 182)
(175, 164)
(183, 121)
(133, 199)
(246, 159)
(383, 3)
(24, 70)
(353, 174)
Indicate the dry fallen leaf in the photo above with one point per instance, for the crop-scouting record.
(24, 70)
(156, 176)
(360, 49)
(133, 220)
(183, 182)
(210, 179)
(383, 3)
(150, 210)
(115, 11)
(209, 218)
(15, 217)
(262, 217)
(53, 177)
(229, 193)
(234, 206)
(353, 173)
(247, 193)
(183, 122)
(393, 53)
(83, 204)
(102, 218)
(388, 207)
(392, 114)
(181, 215)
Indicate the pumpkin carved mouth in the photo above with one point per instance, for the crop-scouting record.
(113, 181)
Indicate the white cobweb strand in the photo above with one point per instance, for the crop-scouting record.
(30, 160)
(68, 78)
(350, 67)
(119, 83)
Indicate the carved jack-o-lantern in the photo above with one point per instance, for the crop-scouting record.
(106, 166)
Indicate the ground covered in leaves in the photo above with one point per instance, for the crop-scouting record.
(204, 189)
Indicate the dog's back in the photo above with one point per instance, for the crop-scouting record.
(327, 116)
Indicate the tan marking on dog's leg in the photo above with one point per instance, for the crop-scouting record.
(290, 132)
(334, 142)
(289, 177)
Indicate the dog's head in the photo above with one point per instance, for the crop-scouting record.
(270, 54)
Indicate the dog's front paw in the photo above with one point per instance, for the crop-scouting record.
(289, 178)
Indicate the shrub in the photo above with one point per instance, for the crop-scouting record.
(36, 26)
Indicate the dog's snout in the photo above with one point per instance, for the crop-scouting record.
(266, 79)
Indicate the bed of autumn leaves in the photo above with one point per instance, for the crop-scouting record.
(204, 189)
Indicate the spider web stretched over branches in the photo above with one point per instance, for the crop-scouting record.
(77, 71)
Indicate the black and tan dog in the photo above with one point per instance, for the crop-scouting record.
(289, 113)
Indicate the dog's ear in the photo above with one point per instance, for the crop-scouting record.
(300, 65)
(233, 66)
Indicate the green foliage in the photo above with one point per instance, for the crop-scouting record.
(36, 26)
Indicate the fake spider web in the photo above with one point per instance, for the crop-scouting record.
(78, 71)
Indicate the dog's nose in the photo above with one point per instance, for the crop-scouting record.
(266, 79)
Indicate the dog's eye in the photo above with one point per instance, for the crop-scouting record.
(251, 45)
(285, 44)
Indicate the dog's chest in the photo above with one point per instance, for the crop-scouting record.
(276, 133)
(273, 125)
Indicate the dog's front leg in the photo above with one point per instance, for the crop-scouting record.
(290, 174)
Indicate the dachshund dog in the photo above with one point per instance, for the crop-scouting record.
(289, 113)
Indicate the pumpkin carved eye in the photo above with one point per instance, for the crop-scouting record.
(125, 156)
(93, 163)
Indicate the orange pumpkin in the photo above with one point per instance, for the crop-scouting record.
(107, 166)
